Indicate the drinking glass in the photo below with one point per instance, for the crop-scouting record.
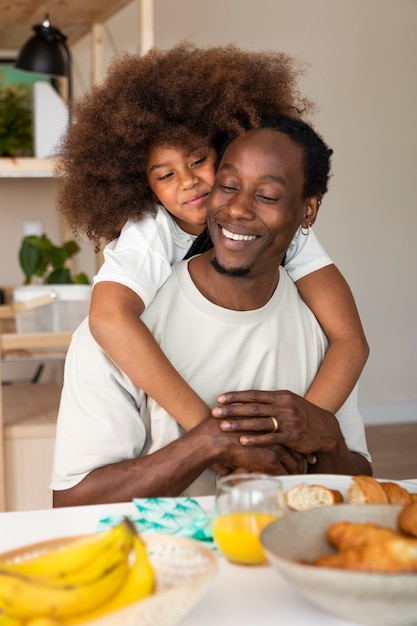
(244, 505)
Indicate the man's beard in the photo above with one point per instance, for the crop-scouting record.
(237, 272)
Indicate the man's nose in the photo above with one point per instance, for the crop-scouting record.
(241, 207)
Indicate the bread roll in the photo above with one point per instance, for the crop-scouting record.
(303, 497)
(407, 519)
(366, 490)
(395, 493)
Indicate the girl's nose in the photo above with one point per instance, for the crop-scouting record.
(188, 179)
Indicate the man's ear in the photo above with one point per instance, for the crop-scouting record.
(311, 209)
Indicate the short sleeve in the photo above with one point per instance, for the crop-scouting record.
(305, 255)
(143, 255)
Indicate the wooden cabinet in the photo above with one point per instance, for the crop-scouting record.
(28, 415)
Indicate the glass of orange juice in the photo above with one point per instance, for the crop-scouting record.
(245, 504)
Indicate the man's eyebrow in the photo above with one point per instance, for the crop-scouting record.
(274, 178)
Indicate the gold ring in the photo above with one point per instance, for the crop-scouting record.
(275, 424)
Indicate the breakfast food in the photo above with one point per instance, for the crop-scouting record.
(407, 519)
(369, 547)
(79, 582)
(350, 535)
(366, 490)
(396, 555)
(395, 493)
(303, 497)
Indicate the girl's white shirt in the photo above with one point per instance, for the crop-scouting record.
(142, 257)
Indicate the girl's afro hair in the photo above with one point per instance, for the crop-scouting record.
(164, 97)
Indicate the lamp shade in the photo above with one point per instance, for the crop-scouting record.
(43, 54)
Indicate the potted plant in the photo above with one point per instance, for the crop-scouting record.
(52, 297)
(15, 120)
(38, 256)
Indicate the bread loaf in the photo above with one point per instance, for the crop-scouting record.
(366, 490)
(395, 493)
(303, 497)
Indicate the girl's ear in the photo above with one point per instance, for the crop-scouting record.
(311, 209)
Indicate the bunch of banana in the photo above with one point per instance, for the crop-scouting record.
(82, 581)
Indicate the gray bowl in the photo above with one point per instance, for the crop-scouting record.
(365, 598)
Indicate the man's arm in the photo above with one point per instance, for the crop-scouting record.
(170, 470)
(302, 427)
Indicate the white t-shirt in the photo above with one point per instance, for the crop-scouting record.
(143, 256)
(103, 418)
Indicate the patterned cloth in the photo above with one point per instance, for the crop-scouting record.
(173, 516)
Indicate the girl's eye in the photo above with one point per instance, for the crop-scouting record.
(199, 161)
(166, 176)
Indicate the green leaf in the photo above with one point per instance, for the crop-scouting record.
(71, 248)
(59, 277)
(30, 258)
(81, 279)
(38, 256)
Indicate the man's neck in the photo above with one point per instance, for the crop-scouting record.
(244, 293)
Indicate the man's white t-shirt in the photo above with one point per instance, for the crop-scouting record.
(104, 418)
(143, 256)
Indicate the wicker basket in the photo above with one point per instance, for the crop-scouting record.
(184, 570)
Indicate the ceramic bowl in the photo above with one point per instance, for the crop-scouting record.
(360, 597)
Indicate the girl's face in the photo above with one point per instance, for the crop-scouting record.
(181, 179)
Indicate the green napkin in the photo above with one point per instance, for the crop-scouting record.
(174, 516)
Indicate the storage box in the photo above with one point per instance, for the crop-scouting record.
(50, 308)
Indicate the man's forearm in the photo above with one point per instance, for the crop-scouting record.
(167, 472)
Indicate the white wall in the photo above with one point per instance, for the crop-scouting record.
(363, 61)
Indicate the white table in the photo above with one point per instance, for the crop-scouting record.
(240, 596)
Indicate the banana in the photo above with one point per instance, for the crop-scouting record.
(140, 583)
(74, 558)
(43, 621)
(7, 620)
(24, 597)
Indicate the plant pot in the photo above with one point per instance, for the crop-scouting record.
(50, 308)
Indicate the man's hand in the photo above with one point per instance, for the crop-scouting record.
(228, 451)
(302, 427)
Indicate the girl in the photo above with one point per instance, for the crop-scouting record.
(138, 165)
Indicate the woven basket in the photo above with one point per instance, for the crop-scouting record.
(184, 570)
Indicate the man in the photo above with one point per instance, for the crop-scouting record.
(228, 319)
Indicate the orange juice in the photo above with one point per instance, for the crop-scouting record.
(237, 536)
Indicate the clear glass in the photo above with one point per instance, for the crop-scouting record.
(245, 504)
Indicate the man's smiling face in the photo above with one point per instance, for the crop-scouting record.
(256, 203)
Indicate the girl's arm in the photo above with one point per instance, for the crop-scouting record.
(328, 295)
(116, 326)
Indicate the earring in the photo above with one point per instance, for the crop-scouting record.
(306, 231)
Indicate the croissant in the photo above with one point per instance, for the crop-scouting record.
(398, 555)
(351, 535)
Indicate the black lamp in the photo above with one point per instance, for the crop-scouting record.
(44, 54)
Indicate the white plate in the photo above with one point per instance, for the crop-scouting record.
(340, 482)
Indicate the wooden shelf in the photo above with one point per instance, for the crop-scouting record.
(73, 17)
(26, 168)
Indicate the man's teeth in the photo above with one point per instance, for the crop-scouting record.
(237, 237)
